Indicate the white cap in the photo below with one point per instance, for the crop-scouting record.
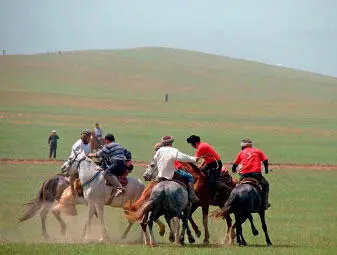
(54, 131)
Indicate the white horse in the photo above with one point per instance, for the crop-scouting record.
(97, 193)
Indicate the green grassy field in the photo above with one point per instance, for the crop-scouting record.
(291, 115)
(302, 219)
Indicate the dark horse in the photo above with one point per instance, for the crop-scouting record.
(206, 196)
(95, 143)
(50, 191)
(244, 200)
(170, 199)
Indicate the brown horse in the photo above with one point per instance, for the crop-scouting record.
(95, 143)
(206, 196)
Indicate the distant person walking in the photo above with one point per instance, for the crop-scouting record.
(52, 141)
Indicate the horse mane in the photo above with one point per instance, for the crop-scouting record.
(192, 169)
(133, 206)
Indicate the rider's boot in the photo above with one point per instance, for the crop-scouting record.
(117, 188)
(192, 197)
(266, 202)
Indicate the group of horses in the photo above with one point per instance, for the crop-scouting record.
(167, 198)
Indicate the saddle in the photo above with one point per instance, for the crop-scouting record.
(253, 182)
(123, 180)
(173, 180)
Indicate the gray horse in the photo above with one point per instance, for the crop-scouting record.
(97, 193)
(53, 188)
(170, 199)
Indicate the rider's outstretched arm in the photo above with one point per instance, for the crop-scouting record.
(234, 168)
(266, 165)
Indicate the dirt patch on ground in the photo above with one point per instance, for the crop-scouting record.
(140, 163)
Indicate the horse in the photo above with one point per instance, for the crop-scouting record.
(97, 193)
(244, 200)
(170, 199)
(57, 189)
(205, 200)
(50, 191)
(95, 143)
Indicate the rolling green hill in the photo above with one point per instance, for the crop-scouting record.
(290, 114)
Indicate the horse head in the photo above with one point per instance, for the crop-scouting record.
(150, 173)
(72, 162)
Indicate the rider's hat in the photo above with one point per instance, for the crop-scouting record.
(167, 140)
(246, 142)
(85, 132)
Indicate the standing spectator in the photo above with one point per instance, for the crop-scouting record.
(98, 132)
(52, 141)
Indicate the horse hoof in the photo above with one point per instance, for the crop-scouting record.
(171, 238)
(103, 240)
(154, 245)
(191, 239)
(269, 244)
(181, 240)
(206, 242)
(46, 237)
(198, 233)
(255, 232)
(162, 232)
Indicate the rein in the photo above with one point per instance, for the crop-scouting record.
(92, 178)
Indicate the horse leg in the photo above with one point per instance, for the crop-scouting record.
(238, 223)
(254, 230)
(230, 231)
(161, 227)
(194, 225)
(171, 236)
(153, 242)
(146, 235)
(176, 221)
(264, 226)
(43, 214)
(185, 217)
(205, 222)
(100, 209)
(87, 224)
(127, 230)
(56, 211)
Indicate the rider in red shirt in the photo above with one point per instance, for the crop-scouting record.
(211, 164)
(250, 159)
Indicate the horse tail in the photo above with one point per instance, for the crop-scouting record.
(34, 205)
(226, 209)
(47, 193)
(132, 206)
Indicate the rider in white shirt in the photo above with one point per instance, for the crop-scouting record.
(166, 156)
(82, 144)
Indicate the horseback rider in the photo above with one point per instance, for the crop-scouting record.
(250, 159)
(82, 144)
(98, 132)
(114, 157)
(180, 175)
(211, 165)
(165, 159)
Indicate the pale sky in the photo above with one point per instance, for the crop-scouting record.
(301, 34)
